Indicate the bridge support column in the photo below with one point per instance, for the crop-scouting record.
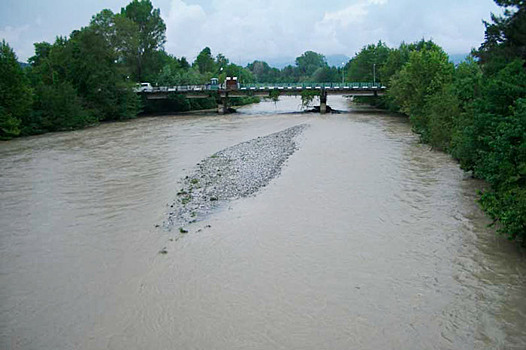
(222, 106)
(323, 102)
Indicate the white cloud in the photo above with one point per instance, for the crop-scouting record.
(239, 29)
(247, 30)
(13, 34)
(351, 15)
(263, 29)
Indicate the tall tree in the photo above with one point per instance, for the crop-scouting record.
(428, 72)
(309, 62)
(368, 64)
(505, 36)
(121, 35)
(152, 36)
(205, 61)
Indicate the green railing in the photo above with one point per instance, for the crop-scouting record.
(267, 86)
(350, 85)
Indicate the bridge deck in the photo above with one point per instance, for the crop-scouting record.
(270, 87)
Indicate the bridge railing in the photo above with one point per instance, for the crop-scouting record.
(271, 86)
(181, 88)
(307, 86)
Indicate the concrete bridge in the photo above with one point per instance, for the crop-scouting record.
(223, 92)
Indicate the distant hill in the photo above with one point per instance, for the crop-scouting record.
(23, 64)
(281, 62)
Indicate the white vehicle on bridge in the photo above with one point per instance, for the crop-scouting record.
(144, 87)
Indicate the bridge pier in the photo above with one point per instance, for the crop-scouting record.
(222, 105)
(323, 101)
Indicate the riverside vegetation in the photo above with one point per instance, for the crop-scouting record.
(476, 111)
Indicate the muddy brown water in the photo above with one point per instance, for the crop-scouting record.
(367, 240)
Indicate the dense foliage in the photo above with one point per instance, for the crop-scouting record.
(476, 111)
(15, 93)
(310, 67)
(90, 76)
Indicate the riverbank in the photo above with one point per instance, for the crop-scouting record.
(161, 112)
(235, 172)
(177, 103)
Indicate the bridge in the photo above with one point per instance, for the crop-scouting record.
(222, 92)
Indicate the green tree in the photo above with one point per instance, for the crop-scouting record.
(505, 38)
(15, 93)
(427, 72)
(504, 166)
(205, 61)
(121, 35)
(368, 64)
(97, 78)
(263, 73)
(325, 75)
(151, 38)
(221, 61)
(309, 62)
(58, 107)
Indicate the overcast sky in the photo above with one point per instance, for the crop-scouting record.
(245, 30)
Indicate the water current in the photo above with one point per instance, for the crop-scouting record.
(367, 240)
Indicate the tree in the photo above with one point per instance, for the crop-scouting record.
(151, 37)
(121, 35)
(368, 63)
(505, 168)
(97, 78)
(427, 72)
(15, 93)
(325, 75)
(221, 61)
(505, 36)
(263, 73)
(58, 107)
(309, 62)
(183, 63)
(243, 75)
(205, 62)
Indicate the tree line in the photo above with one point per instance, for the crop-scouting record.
(475, 111)
(89, 76)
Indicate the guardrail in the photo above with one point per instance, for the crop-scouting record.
(267, 86)
(291, 86)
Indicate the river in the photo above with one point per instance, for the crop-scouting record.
(367, 240)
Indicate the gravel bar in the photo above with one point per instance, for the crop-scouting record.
(234, 172)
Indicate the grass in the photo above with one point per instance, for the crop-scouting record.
(186, 200)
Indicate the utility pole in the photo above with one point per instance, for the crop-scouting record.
(343, 72)
(374, 73)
